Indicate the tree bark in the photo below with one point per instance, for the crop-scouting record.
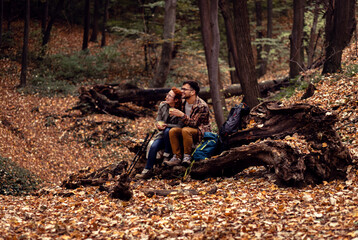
(259, 35)
(44, 16)
(296, 38)
(211, 39)
(54, 16)
(325, 158)
(105, 18)
(313, 37)
(230, 38)
(95, 21)
(86, 25)
(247, 73)
(25, 48)
(167, 47)
(108, 98)
(269, 35)
(340, 25)
(1, 20)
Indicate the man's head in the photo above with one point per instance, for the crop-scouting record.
(190, 89)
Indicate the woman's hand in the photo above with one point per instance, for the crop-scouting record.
(176, 112)
(161, 125)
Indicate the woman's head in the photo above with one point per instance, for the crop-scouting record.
(174, 97)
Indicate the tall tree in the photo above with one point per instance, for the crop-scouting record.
(1, 19)
(95, 21)
(340, 25)
(25, 48)
(259, 36)
(104, 25)
(230, 39)
(167, 46)
(86, 25)
(44, 17)
(269, 29)
(245, 64)
(313, 36)
(54, 15)
(211, 39)
(296, 38)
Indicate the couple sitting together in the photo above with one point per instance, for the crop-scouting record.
(182, 120)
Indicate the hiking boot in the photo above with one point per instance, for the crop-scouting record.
(173, 162)
(145, 174)
(186, 160)
(166, 157)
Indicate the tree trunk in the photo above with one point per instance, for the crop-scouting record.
(105, 18)
(86, 25)
(1, 20)
(9, 17)
(247, 73)
(108, 98)
(95, 21)
(269, 35)
(296, 38)
(321, 157)
(211, 39)
(313, 37)
(167, 47)
(340, 25)
(230, 38)
(25, 48)
(56, 13)
(259, 35)
(44, 17)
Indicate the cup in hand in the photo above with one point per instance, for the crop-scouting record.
(161, 123)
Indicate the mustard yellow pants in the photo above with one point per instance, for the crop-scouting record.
(183, 138)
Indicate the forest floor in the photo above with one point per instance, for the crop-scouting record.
(39, 134)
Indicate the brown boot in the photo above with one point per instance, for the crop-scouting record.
(174, 161)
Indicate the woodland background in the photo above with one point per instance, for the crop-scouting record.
(43, 141)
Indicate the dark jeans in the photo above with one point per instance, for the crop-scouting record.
(157, 145)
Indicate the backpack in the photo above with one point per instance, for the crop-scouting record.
(233, 122)
(207, 146)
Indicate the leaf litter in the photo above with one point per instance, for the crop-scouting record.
(250, 205)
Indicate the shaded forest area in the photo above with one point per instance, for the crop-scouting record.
(44, 139)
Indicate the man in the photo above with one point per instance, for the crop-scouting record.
(196, 119)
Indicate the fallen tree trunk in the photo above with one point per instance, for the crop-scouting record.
(304, 147)
(110, 98)
(298, 142)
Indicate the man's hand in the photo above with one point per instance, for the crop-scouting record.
(176, 112)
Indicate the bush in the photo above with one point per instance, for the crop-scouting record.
(15, 180)
(61, 74)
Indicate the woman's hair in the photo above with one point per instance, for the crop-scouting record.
(178, 95)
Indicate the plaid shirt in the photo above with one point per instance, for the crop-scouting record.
(199, 117)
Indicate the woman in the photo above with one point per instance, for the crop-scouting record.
(164, 122)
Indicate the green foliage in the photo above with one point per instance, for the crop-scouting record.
(296, 84)
(61, 74)
(15, 180)
(350, 70)
(7, 40)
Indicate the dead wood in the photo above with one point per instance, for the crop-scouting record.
(115, 173)
(110, 99)
(322, 156)
(325, 159)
